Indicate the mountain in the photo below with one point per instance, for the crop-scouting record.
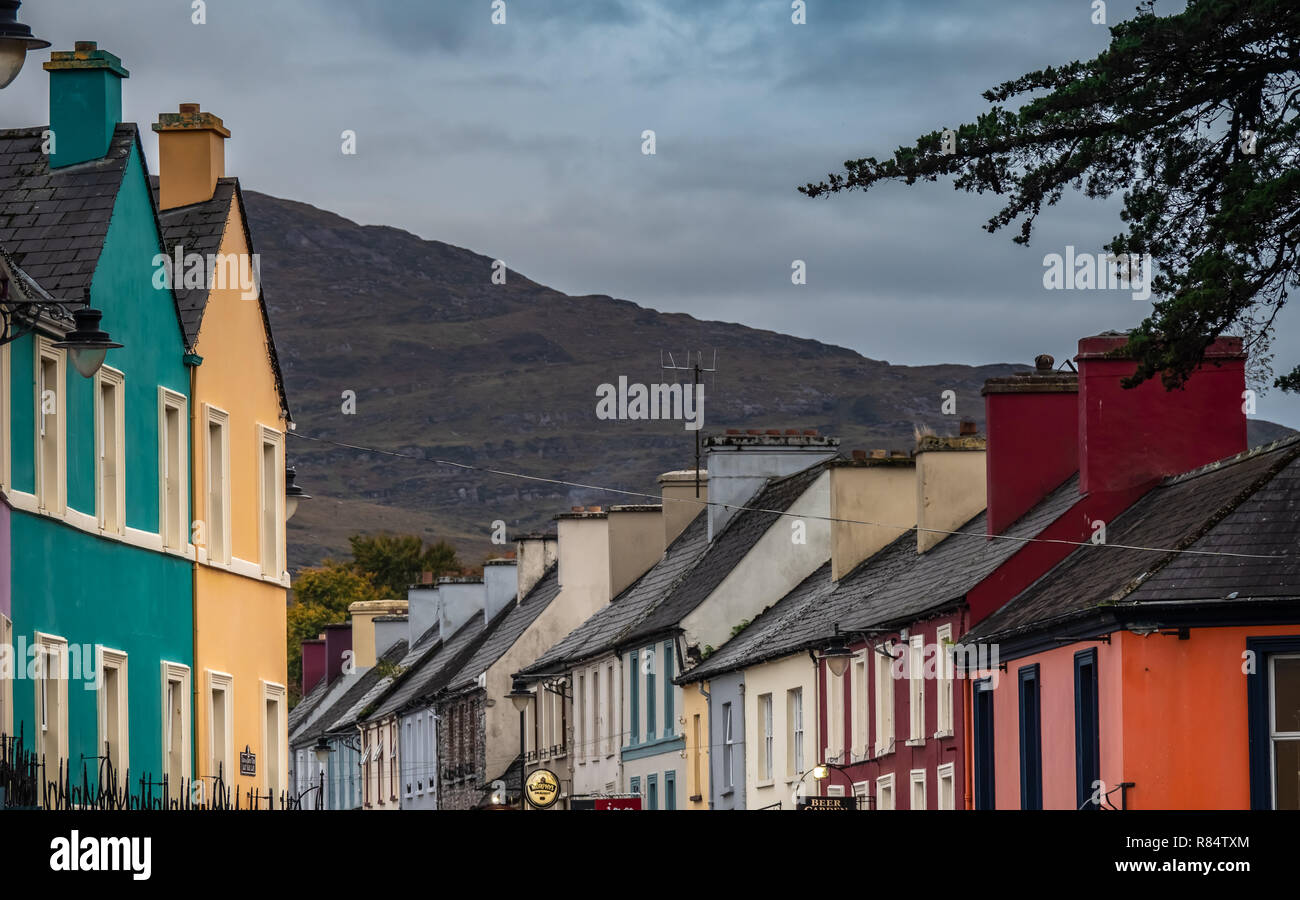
(445, 364)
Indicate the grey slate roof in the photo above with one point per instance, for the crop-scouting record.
(435, 669)
(53, 222)
(601, 632)
(197, 228)
(200, 228)
(894, 586)
(335, 719)
(726, 551)
(688, 573)
(503, 637)
(770, 634)
(1249, 503)
(307, 704)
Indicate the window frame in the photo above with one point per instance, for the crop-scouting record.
(214, 416)
(221, 682)
(274, 691)
(944, 725)
(946, 772)
(916, 690)
(798, 734)
(179, 542)
(7, 682)
(1260, 714)
(109, 377)
(886, 783)
(6, 420)
(766, 714)
(1087, 734)
(51, 647)
(46, 351)
(861, 708)
(885, 706)
(983, 745)
(273, 569)
(177, 673)
(729, 742)
(1031, 736)
(117, 660)
(917, 778)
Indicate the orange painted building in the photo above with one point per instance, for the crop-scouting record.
(238, 425)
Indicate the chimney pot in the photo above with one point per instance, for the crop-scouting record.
(792, 431)
(752, 431)
(86, 46)
(860, 454)
(968, 427)
(878, 454)
(593, 509)
(575, 509)
(733, 431)
(775, 431)
(810, 432)
(189, 109)
(1043, 362)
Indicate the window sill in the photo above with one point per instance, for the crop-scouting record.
(729, 792)
(764, 784)
(916, 742)
(942, 735)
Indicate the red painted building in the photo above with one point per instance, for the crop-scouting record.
(1066, 456)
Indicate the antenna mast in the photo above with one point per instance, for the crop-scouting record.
(696, 369)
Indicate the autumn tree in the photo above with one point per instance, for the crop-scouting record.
(1192, 118)
(393, 561)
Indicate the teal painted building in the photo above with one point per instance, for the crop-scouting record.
(95, 470)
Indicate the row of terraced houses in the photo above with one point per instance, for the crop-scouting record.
(143, 486)
(1095, 604)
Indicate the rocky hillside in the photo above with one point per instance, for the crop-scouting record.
(443, 363)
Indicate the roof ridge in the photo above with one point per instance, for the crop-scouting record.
(1233, 460)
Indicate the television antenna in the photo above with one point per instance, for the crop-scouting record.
(697, 369)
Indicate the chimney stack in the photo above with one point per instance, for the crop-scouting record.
(680, 504)
(460, 598)
(313, 663)
(85, 102)
(950, 473)
(584, 563)
(500, 585)
(1033, 438)
(338, 649)
(421, 608)
(388, 631)
(634, 534)
(364, 613)
(1132, 438)
(191, 156)
(535, 554)
(875, 488)
(740, 464)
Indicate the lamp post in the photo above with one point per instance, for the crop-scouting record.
(520, 696)
(15, 41)
(86, 343)
(292, 493)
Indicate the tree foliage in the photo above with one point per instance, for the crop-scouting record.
(393, 561)
(1192, 118)
(383, 566)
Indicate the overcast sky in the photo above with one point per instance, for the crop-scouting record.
(523, 142)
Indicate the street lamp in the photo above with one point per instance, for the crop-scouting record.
(322, 751)
(837, 654)
(86, 343)
(292, 493)
(520, 696)
(15, 41)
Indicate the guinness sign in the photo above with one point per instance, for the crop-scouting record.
(542, 788)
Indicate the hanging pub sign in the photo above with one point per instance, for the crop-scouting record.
(542, 788)
(247, 763)
(828, 803)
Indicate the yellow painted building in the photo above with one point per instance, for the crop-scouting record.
(695, 713)
(237, 431)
